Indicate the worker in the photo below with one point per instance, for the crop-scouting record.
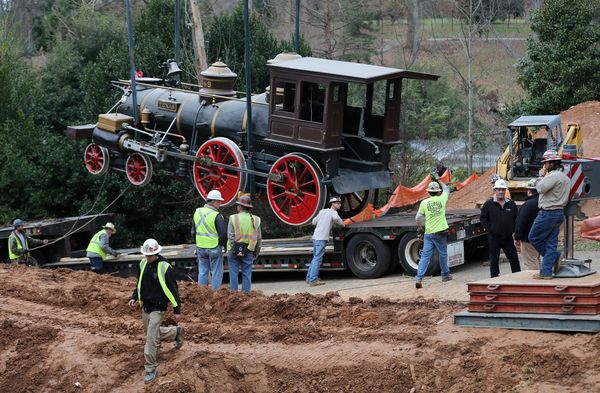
(431, 221)
(210, 232)
(498, 216)
(554, 190)
(99, 247)
(156, 288)
(323, 223)
(243, 245)
(19, 243)
(525, 218)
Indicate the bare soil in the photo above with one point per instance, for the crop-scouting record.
(66, 331)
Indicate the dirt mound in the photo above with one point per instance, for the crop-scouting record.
(69, 331)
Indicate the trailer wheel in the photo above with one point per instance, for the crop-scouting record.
(367, 256)
(409, 252)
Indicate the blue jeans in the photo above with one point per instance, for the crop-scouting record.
(544, 237)
(315, 264)
(96, 264)
(210, 259)
(440, 242)
(234, 263)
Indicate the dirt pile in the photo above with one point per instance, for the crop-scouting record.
(69, 331)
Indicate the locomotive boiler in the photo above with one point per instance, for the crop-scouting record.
(323, 127)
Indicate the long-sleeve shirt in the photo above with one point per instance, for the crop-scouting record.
(323, 223)
(20, 237)
(525, 218)
(153, 296)
(554, 190)
(499, 219)
(219, 224)
(104, 245)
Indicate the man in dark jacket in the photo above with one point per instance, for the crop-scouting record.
(527, 214)
(498, 215)
(156, 288)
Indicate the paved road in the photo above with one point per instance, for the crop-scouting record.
(394, 286)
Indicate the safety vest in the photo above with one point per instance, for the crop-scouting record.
(162, 271)
(11, 255)
(94, 245)
(245, 229)
(206, 230)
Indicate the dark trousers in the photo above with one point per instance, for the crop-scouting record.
(508, 246)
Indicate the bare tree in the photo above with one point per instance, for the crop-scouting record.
(198, 38)
(475, 17)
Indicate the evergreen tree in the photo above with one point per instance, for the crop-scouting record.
(562, 67)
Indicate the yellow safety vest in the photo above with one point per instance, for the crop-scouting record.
(162, 271)
(245, 227)
(13, 256)
(94, 245)
(206, 230)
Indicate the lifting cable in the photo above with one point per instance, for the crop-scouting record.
(71, 231)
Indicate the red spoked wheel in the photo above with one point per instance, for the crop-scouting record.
(294, 189)
(96, 159)
(354, 203)
(209, 177)
(139, 169)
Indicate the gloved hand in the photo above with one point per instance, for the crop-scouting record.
(420, 234)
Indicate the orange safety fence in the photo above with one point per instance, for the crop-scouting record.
(591, 228)
(402, 196)
(468, 180)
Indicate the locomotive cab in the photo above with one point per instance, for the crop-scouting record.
(337, 106)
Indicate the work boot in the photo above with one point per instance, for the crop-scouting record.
(447, 278)
(556, 266)
(316, 283)
(418, 284)
(539, 276)
(179, 337)
(149, 377)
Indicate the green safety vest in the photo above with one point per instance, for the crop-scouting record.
(245, 228)
(94, 245)
(206, 230)
(11, 255)
(162, 271)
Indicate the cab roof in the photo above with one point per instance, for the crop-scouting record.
(549, 121)
(346, 71)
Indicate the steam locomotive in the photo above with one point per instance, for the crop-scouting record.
(323, 127)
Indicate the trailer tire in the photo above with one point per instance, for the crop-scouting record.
(409, 252)
(368, 256)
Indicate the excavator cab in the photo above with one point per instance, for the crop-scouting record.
(530, 137)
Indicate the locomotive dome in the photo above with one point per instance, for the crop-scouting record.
(218, 80)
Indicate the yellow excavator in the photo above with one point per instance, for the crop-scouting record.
(528, 138)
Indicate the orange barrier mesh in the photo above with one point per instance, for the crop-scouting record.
(402, 196)
(591, 228)
(468, 180)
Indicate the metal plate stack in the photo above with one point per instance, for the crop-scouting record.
(519, 301)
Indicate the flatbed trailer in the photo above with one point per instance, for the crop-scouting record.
(68, 236)
(369, 249)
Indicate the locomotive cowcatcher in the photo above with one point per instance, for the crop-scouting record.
(323, 127)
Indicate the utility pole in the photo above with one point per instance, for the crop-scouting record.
(136, 115)
(199, 46)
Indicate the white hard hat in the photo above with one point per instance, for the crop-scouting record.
(433, 187)
(111, 226)
(214, 195)
(500, 183)
(151, 247)
(550, 155)
(335, 199)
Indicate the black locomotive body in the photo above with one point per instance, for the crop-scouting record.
(326, 128)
